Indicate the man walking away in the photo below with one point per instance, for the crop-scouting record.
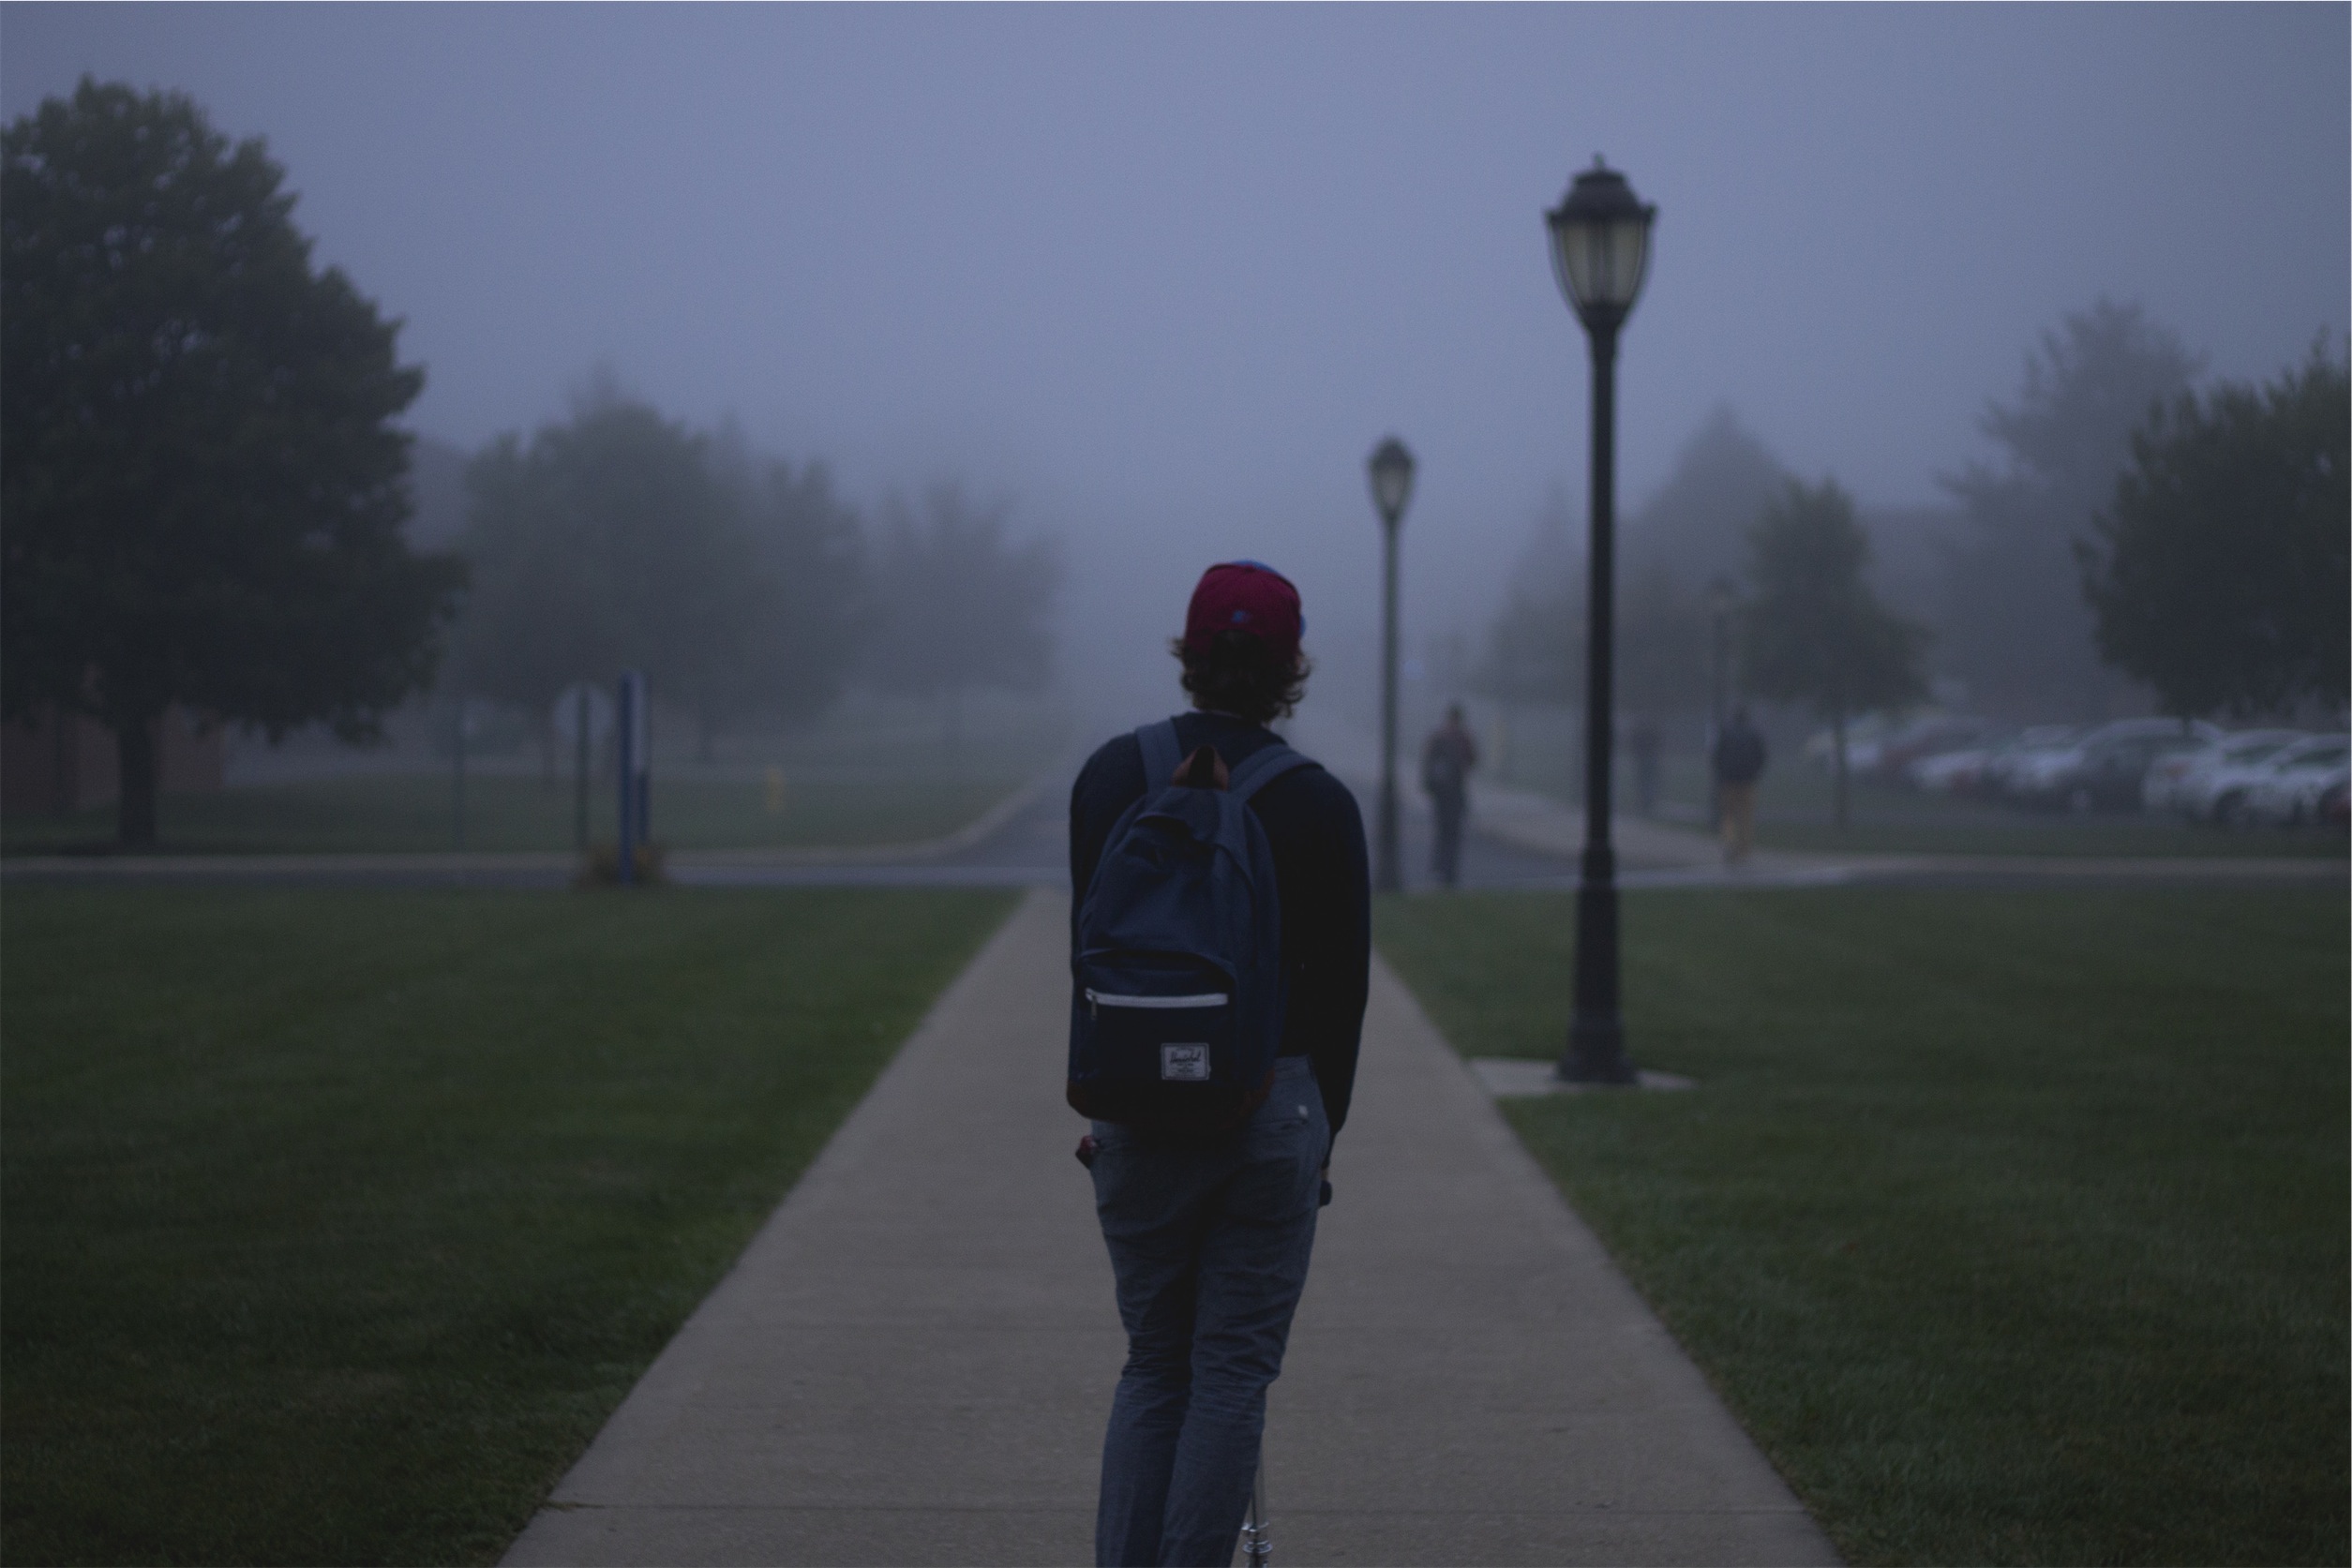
(1446, 764)
(1739, 762)
(1209, 1234)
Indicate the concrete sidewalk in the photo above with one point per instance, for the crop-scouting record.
(913, 1361)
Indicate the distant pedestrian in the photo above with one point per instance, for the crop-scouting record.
(1644, 742)
(1446, 764)
(1739, 762)
(1210, 1231)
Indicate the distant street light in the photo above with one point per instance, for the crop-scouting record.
(1600, 249)
(1721, 596)
(1392, 486)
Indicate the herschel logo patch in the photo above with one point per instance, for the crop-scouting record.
(1184, 1064)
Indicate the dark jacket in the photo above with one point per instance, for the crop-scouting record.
(1316, 836)
(1739, 754)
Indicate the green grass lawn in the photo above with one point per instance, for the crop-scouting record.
(391, 813)
(338, 1221)
(2013, 1225)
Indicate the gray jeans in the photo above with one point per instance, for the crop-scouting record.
(1210, 1243)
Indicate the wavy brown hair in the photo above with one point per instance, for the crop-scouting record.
(1238, 673)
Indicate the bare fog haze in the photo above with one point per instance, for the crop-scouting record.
(1154, 280)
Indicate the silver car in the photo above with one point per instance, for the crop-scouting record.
(2186, 783)
(2288, 793)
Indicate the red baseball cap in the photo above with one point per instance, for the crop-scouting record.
(1245, 596)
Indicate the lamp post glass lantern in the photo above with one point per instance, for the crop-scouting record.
(1392, 468)
(1600, 252)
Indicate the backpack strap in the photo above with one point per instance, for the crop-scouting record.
(1265, 765)
(1161, 755)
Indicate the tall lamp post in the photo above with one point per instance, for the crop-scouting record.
(1721, 596)
(1391, 468)
(1600, 248)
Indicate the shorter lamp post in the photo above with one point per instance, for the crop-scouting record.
(1721, 596)
(1600, 249)
(1391, 468)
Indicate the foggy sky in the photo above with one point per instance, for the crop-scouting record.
(1166, 274)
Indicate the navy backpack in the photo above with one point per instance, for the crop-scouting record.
(1176, 970)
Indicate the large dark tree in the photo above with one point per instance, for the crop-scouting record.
(1812, 631)
(2013, 622)
(961, 604)
(201, 485)
(2219, 573)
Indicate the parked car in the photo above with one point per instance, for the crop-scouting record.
(1864, 732)
(2113, 773)
(2228, 794)
(2103, 770)
(1955, 772)
(1931, 735)
(2290, 791)
(2003, 762)
(2189, 782)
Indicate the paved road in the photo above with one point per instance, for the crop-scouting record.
(913, 1361)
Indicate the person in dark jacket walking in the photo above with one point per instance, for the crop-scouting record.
(1210, 1238)
(1446, 759)
(1739, 762)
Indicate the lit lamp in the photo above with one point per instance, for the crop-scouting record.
(1600, 249)
(1391, 468)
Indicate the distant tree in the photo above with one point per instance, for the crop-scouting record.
(2015, 624)
(1691, 528)
(811, 558)
(1696, 525)
(2219, 573)
(1534, 649)
(1812, 630)
(201, 490)
(606, 544)
(1536, 645)
(1663, 643)
(959, 605)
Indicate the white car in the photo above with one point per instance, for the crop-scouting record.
(2226, 794)
(2049, 776)
(2003, 762)
(1862, 735)
(2182, 783)
(1950, 772)
(2288, 793)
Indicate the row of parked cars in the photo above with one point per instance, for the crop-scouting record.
(2191, 769)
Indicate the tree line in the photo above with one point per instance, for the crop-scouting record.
(2131, 529)
(203, 494)
(747, 587)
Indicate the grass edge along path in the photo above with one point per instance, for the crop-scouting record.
(2013, 1225)
(408, 814)
(338, 1222)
